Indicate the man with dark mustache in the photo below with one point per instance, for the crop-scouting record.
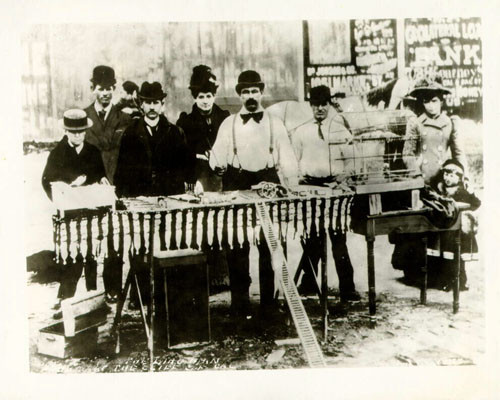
(154, 158)
(154, 161)
(252, 146)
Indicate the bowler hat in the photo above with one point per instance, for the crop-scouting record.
(151, 91)
(425, 87)
(320, 95)
(248, 79)
(103, 75)
(203, 80)
(75, 120)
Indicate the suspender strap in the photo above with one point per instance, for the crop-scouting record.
(235, 147)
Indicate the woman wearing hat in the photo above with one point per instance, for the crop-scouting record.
(202, 124)
(433, 139)
(434, 135)
(201, 127)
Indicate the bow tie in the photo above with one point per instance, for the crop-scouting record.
(256, 117)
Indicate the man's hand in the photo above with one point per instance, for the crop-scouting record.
(79, 181)
(104, 181)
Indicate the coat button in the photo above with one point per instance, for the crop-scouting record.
(424, 147)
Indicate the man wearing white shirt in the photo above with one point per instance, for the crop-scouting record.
(324, 153)
(252, 146)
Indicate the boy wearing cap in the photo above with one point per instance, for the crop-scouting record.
(75, 162)
(109, 122)
(252, 146)
(324, 154)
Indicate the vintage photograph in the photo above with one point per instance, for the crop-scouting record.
(253, 195)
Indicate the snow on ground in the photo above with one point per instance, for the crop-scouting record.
(402, 333)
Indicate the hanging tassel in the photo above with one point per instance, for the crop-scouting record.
(194, 229)
(173, 232)
(162, 228)
(183, 244)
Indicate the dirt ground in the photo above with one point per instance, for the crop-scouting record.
(402, 333)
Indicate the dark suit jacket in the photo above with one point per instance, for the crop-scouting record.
(152, 165)
(200, 138)
(64, 164)
(106, 136)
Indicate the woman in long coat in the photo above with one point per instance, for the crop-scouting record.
(202, 124)
(432, 138)
(200, 127)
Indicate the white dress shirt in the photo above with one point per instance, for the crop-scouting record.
(253, 144)
(322, 157)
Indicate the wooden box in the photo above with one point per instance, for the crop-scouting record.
(53, 342)
(66, 197)
(76, 335)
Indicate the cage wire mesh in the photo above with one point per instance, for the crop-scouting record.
(379, 150)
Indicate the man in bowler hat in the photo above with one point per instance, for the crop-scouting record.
(252, 146)
(109, 122)
(154, 160)
(324, 154)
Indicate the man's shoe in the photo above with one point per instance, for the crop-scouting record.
(350, 296)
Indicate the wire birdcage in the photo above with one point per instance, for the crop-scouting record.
(377, 150)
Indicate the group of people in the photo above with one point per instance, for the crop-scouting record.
(133, 146)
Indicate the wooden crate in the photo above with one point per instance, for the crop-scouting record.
(53, 342)
(76, 335)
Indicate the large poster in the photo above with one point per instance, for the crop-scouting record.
(450, 47)
(370, 61)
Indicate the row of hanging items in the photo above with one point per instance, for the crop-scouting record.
(98, 235)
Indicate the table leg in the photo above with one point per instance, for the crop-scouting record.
(370, 240)
(115, 330)
(152, 289)
(456, 281)
(324, 283)
(423, 283)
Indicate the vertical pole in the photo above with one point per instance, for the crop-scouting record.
(370, 240)
(165, 287)
(152, 288)
(208, 301)
(324, 283)
(456, 281)
(423, 283)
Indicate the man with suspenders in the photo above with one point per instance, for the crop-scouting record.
(252, 146)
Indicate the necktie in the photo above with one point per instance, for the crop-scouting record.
(102, 114)
(320, 133)
(257, 117)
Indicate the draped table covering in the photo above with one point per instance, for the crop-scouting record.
(94, 234)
